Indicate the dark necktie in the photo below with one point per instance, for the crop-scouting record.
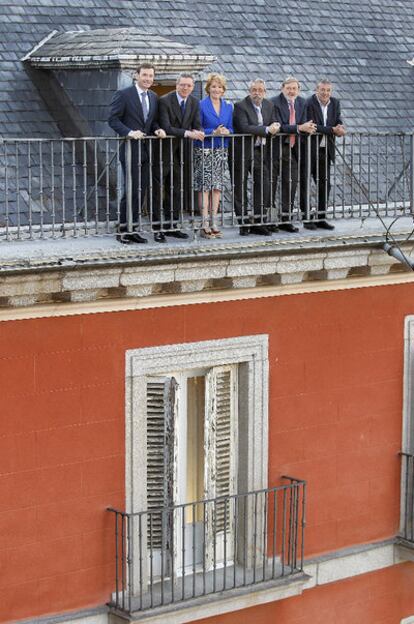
(144, 105)
(182, 106)
(292, 121)
(259, 140)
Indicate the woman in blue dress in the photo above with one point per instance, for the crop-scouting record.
(210, 156)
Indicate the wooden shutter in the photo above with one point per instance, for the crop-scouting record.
(221, 441)
(161, 451)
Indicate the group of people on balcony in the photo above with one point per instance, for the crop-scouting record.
(165, 174)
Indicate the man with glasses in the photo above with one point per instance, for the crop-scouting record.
(290, 110)
(255, 116)
(179, 116)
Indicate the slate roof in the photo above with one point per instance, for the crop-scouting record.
(362, 45)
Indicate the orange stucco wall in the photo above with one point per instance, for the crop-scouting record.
(382, 597)
(336, 363)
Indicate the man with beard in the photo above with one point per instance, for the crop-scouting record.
(254, 115)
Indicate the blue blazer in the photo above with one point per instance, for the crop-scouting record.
(210, 121)
(282, 114)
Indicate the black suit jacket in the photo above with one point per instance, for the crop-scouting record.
(174, 124)
(126, 114)
(282, 114)
(245, 122)
(170, 118)
(314, 113)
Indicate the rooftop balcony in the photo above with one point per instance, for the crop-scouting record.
(71, 188)
(60, 207)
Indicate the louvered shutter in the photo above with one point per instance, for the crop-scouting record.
(221, 453)
(161, 450)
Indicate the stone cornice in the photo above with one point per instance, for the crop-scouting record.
(179, 271)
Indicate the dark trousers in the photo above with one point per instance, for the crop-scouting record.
(289, 167)
(257, 165)
(173, 190)
(321, 174)
(138, 183)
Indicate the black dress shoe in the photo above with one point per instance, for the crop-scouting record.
(244, 231)
(137, 238)
(324, 225)
(260, 230)
(124, 239)
(159, 237)
(310, 225)
(176, 234)
(288, 227)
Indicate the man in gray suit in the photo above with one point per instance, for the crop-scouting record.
(255, 116)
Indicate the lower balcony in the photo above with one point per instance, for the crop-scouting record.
(405, 538)
(189, 554)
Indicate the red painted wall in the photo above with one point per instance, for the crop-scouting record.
(336, 363)
(382, 597)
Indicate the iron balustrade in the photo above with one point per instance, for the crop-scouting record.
(407, 498)
(54, 188)
(187, 551)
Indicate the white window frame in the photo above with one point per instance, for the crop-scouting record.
(250, 353)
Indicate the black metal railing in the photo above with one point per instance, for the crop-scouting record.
(86, 186)
(407, 498)
(186, 551)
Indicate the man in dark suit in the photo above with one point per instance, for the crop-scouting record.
(325, 111)
(179, 116)
(134, 114)
(254, 116)
(288, 157)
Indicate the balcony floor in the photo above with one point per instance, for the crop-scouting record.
(102, 249)
(193, 586)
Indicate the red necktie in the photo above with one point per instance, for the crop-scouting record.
(292, 121)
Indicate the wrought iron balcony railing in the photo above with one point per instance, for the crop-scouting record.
(74, 187)
(407, 498)
(187, 551)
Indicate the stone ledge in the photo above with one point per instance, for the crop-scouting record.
(351, 565)
(87, 279)
(108, 282)
(342, 564)
(404, 551)
(347, 259)
(224, 602)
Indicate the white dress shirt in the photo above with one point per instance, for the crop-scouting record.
(324, 109)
